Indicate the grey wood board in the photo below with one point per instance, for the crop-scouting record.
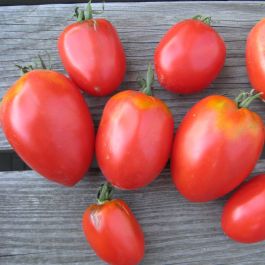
(29, 30)
(40, 223)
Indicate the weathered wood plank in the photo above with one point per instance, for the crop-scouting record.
(40, 2)
(40, 223)
(29, 30)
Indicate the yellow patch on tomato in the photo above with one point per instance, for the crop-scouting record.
(14, 90)
(141, 100)
(238, 123)
(218, 103)
(144, 102)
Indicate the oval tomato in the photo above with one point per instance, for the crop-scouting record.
(216, 147)
(93, 55)
(255, 57)
(47, 122)
(134, 139)
(113, 232)
(189, 56)
(243, 217)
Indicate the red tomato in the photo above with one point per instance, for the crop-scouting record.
(243, 217)
(255, 57)
(134, 139)
(189, 57)
(46, 120)
(216, 147)
(93, 55)
(113, 232)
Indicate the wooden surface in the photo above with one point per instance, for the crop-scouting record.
(39, 2)
(35, 29)
(40, 221)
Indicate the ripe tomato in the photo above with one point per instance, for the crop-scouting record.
(134, 138)
(243, 217)
(112, 230)
(46, 120)
(189, 56)
(92, 54)
(255, 57)
(216, 147)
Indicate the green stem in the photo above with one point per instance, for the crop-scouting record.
(244, 99)
(241, 97)
(147, 83)
(24, 69)
(87, 13)
(37, 64)
(105, 193)
(204, 19)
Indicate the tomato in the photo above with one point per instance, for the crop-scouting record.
(92, 54)
(243, 217)
(134, 138)
(47, 122)
(217, 145)
(189, 56)
(112, 230)
(255, 57)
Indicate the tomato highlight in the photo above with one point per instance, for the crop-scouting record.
(92, 53)
(189, 56)
(217, 145)
(243, 217)
(134, 137)
(112, 230)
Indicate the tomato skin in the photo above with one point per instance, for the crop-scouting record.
(46, 120)
(93, 56)
(243, 218)
(216, 147)
(134, 139)
(255, 58)
(114, 233)
(189, 57)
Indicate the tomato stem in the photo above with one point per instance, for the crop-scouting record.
(204, 19)
(241, 97)
(244, 99)
(37, 64)
(105, 193)
(87, 13)
(146, 84)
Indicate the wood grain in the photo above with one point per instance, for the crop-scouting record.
(41, 2)
(29, 30)
(40, 223)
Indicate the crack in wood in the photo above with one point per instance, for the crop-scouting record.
(23, 254)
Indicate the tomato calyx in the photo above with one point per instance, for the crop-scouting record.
(204, 19)
(105, 193)
(36, 64)
(146, 84)
(244, 99)
(87, 13)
